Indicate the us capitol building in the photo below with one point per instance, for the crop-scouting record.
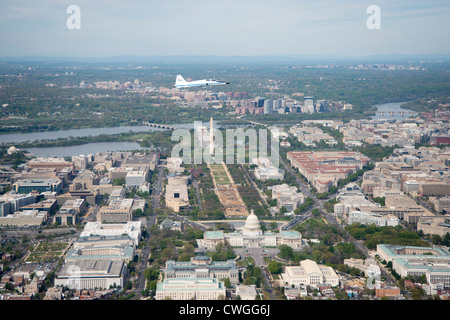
(251, 235)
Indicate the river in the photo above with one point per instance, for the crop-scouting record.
(88, 148)
(85, 132)
(384, 112)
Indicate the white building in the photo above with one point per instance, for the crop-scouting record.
(135, 178)
(24, 218)
(269, 173)
(310, 273)
(370, 218)
(174, 165)
(117, 193)
(433, 262)
(368, 266)
(190, 288)
(11, 202)
(202, 266)
(278, 133)
(287, 196)
(131, 229)
(82, 161)
(352, 198)
(246, 292)
(91, 274)
(251, 235)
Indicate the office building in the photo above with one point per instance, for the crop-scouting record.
(268, 106)
(24, 218)
(122, 252)
(324, 169)
(56, 163)
(433, 262)
(120, 210)
(66, 218)
(190, 288)
(201, 266)
(131, 229)
(29, 185)
(176, 196)
(92, 274)
(287, 197)
(269, 173)
(135, 178)
(310, 273)
(12, 202)
(368, 218)
(439, 225)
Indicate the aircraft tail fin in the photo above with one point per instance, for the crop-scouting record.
(180, 80)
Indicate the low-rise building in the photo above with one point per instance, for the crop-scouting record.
(387, 292)
(439, 225)
(442, 204)
(325, 168)
(119, 172)
(86, 179)
(124, 253)
(92, 274)
(246, 292)
(433, 262)
(66, 218)
(135, 178)
(119, 210)
(310, 273)
(142, 162)
(24, 218)
(287, 196)
(47, 205)
(201, 266)
(174, 165)
(370, 218)
(270, 173)
(176, 195)
(131, 229)
(39, 185)
(12, 202)
(190, 288)
(79, 205)
(117, 193)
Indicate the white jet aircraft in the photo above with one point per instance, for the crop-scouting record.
(181, 83)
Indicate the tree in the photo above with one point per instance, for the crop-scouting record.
(227, 282)
(286, 252)
(219, 247)
(118, 181)
(188, 248)
(274, 267)
(436, 239)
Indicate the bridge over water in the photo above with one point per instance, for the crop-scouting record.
(161, 126)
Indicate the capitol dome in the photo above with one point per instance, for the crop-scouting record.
(252, 226)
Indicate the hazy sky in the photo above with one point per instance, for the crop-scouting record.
(225, 27)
